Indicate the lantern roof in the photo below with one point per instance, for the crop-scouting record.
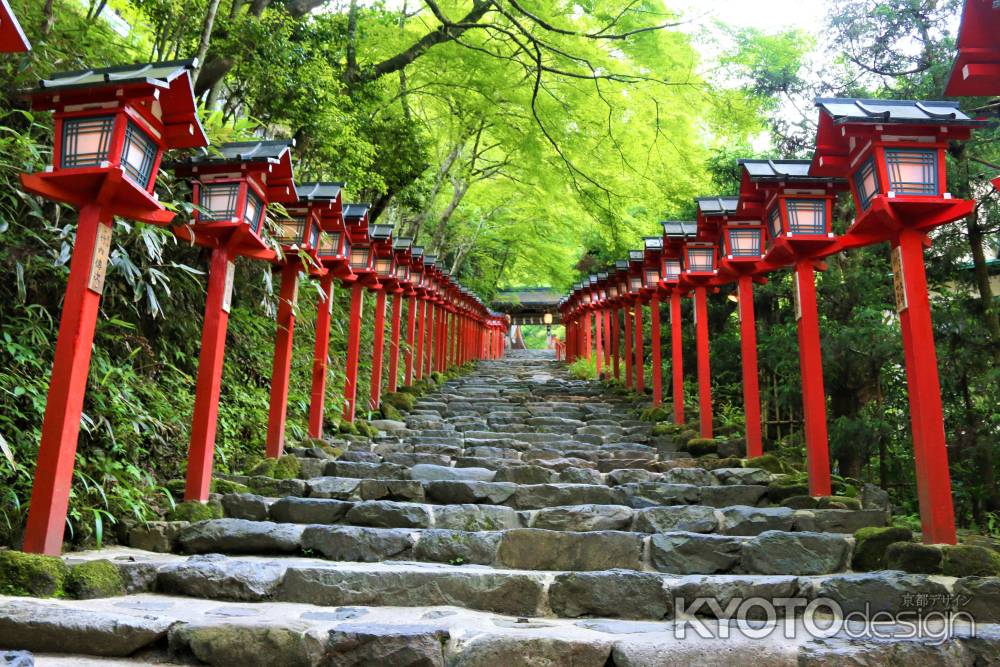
(653, 242)
(274, 155)
(834, 138)
(402, 243)
(636, 255)
(776, 170)
(417, 251)
(356, 211)
(380, 232)
(430, 260)
(977, 68)
(12, 38)
(680, 229)
(893, 112)
(621, 265)
(717, 205)
(171, 81)
(318, 191)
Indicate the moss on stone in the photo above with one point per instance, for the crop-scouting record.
(662, 429)
(966, 560)
(654, 414)
(785, 486)
(437, 377)
(95, 579)
(838, 503)
(287, 467)
(716, 464)
(701, 446)
(913, 558)
(193, 510)
(871, 543)
(768, 462)
(31, 574)
(348, 428)
(803, 502)
(175, 487)
(262, 468)
(400, 400)
(389, 412)
(225, 486)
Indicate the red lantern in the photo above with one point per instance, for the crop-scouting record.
(111, 128)
(699, 259)
(12, 38)
(359, 253)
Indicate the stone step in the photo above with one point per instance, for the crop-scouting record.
(508, 546)
(309, 635)
(382, 513)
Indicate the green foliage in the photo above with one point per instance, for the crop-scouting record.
(655, 414)
(584, 368)
(31, 574)
(701, 447)
(94, 579)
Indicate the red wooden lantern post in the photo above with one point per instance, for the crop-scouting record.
(418, 278)
(385, 271)
(635, 284)
(651, 289)
(325, 200)
(401, 256)
(232, 191)
(618, 288)
(742, 250)
(12, 38)
(798, 210)
(111, 128)
(894, 154)
(675, 234)
(362, 264)
(299, 236)
(699, 268)
(594, 312)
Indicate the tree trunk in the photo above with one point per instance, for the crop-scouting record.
(206, 36)
(440, 234)
(414, 228)
(48, 19)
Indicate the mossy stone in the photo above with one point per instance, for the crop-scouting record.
(768, 462)
(728, 462)
(400, 400)
(95, 579)
(348, 428)
(32, 574)
(701, 446)
(262, 468)
(838, 503)
(662, 429)
(389, 412)
(803, 502)
(914, 558)
(655, 414)
(966, 560)
(175, 487)
(785, 487)
(437, 378)
(193, 510)
(287, 467)
(871, 543)
(225, 486)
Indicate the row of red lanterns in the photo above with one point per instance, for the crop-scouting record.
(891, 156)
(111, 128)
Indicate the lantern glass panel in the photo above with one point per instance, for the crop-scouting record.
(866, 182)
(329, 243)
(218, 202)
(292, 230)
(314, 236)
(806, 216)
(402, 272)
(86, 141)
(586, 297)
(254, 213)
(623, 288)
(652, 277)
(912, 171)
(774, 222)
(383, 267)
(359, 257)
(744, 242)
(635, 283)
(138, 155)
(671, 269)
(613, 291)
(701, 260)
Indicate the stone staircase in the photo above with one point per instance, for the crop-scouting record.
(517, 517)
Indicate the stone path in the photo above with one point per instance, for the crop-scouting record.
(518, 517)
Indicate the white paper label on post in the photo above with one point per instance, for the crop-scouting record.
(227, 295)
(899, 280)
(798, 298)
(99, 261)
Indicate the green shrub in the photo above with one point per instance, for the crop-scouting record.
(654, 414)
(95, 579)
(32, 574)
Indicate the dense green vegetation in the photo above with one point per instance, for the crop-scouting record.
(523, 142)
